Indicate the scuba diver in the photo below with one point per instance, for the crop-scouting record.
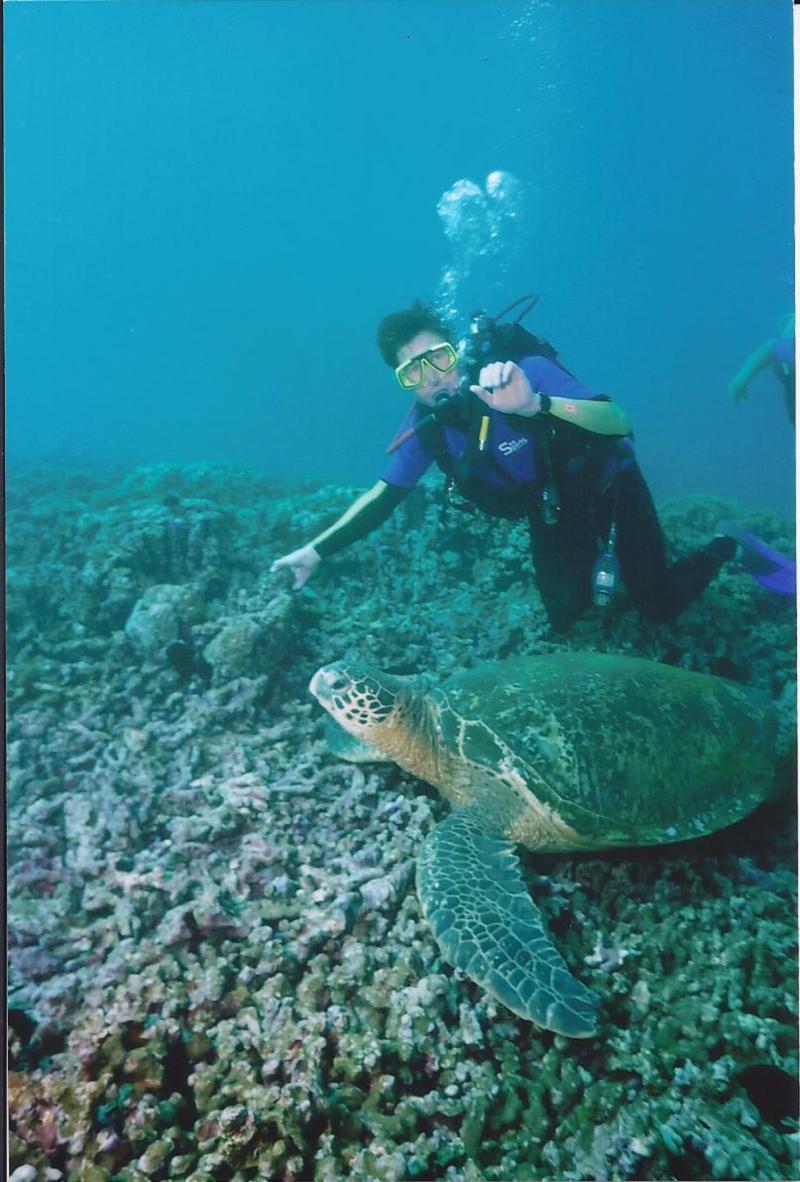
(777, 354)
(518, 436)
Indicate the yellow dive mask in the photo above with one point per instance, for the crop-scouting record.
(411, 374)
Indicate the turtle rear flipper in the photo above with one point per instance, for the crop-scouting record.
(485, 923)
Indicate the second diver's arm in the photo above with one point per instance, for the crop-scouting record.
(759, 359)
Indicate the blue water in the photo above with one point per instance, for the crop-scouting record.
(209, 206)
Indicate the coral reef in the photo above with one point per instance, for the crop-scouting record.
(218, 965)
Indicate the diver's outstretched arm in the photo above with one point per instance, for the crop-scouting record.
(365, 514)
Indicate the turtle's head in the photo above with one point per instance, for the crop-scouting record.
(364, 701)
(392, 715)
(361, 699)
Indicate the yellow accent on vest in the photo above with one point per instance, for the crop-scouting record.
(602, 418)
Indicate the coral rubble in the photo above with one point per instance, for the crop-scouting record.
(218, 966)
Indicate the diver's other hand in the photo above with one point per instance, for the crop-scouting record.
(302, 563)
(504, 386)
(737, 390)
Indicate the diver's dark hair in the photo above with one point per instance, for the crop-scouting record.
(398, 328)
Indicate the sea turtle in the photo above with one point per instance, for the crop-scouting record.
(561, 752)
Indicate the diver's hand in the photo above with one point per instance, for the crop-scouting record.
(302, 563)
(504, 386)
(737, 390)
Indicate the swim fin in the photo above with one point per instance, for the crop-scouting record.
(773, 570)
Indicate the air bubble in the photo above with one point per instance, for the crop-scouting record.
(479, 224)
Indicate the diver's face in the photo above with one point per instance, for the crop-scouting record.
(435, 384)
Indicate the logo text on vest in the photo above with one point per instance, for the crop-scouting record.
(509, 446)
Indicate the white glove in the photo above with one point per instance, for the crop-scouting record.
(302, 563)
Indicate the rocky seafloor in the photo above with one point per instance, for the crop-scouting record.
(218, 966)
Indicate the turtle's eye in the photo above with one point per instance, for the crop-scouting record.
(338, 682)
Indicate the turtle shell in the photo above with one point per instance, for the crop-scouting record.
(620, 749)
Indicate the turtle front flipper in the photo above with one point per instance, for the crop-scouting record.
(485, 923)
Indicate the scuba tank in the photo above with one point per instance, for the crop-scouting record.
(490, 340)
(605, 574)
(551, 502)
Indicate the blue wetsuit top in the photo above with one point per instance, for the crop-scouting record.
(509, 443)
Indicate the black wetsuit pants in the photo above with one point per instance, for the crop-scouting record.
(564, 554)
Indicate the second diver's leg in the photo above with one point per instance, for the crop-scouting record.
(788, 383)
